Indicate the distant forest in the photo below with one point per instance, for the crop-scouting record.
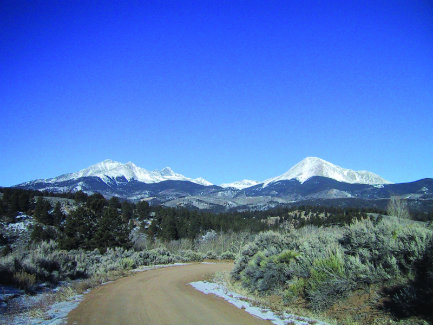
(95, 222)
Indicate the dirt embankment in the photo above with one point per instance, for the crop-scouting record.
(160, 296)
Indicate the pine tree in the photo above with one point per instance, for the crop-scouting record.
(80, 226)
(42, 209)
(127, 211)
(58, 215)
(168, 227)
(96, 202)
(111, 231)
(114, 202)
(143, 210)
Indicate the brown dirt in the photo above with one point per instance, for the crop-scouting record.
(160, 296)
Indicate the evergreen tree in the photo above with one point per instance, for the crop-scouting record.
(80, 226)
(111, 231)
(42, 214)
(114, 202)
(58, 215)
(142, 210)
(39, 233)
(168, 227)
(24, 201)
(127, 211)
(80, 196)
(96, 202)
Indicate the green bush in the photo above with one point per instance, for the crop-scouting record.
(191, 256)
(323, 265)
(210, 255)
(227, 256)
(295, 289)
(328, 281)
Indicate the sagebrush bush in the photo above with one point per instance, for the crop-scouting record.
(45, 262)
(328, 280)
(210, 255)
(227, 256)
(323, 265)
(269, 240)
(191, 256)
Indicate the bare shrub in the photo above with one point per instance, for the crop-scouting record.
(398, 207)
(24, 280)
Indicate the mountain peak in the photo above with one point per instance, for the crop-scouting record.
(109, 169)
(314, 166)
(240, 184)
(167, 171)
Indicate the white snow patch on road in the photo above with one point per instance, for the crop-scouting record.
(242, 302)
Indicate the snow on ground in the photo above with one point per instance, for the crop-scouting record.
(23, 223)
(55, 315)
(242, 302)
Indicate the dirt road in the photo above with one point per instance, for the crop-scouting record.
(160, 296)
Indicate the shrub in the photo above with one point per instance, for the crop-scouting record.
(24, 280)
(127, 263)
(323, 265)
(416, 298)
(327, 282)
(295, 289)
(227, 256)
(191, 256)
(210, 255)
(266, 271)
(267, 240)
(386, 250)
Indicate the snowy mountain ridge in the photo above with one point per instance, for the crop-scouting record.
(240, 184)
(112, 169)
(313, 166)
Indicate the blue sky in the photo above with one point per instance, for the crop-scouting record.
(225, 90)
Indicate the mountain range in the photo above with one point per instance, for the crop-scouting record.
(311, 179)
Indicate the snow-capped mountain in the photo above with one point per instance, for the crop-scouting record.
(109, 169)
(240, 184)
(313, 166)
(312, 179)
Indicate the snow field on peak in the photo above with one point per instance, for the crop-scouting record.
(111, 169)
(240, 184)
(313, 166)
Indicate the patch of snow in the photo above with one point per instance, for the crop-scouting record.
(7, 292)
(240, 184)
(241, 302)
(313, 166)
(18, 226)
(201, 181)
(54, 315)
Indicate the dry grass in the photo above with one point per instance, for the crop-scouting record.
(24, 280)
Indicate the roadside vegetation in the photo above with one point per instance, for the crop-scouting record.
(353, 266)
(367, 272)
